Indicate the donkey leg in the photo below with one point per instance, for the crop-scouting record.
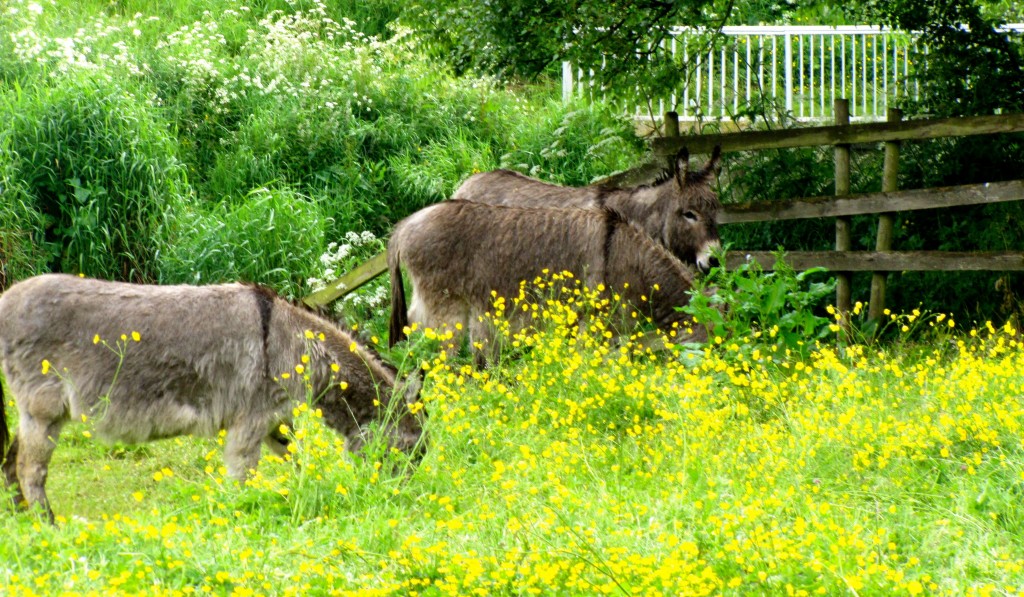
(37, 439)
(445, 315)
(483, 343)
(242, 450)
(454, 321)
(277, 442)
(10, 466)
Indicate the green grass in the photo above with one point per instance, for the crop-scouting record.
(271, 236)
(586, 467)
(98, 167)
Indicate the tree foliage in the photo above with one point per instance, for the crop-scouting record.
(526, 38)
(971, 67)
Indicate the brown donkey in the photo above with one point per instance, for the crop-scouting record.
(457, 253)
(680, 211)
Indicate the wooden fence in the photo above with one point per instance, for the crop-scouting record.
(883, 259)
(843, 260)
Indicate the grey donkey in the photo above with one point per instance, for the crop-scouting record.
(208, 358)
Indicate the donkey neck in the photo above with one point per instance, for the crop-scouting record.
(332, 345)
(643, 206)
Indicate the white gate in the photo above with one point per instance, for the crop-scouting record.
(801, 69)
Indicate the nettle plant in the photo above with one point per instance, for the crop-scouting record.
(777, 308)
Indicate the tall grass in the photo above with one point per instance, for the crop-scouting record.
(23, 249)
(100, 169)
(272, 236)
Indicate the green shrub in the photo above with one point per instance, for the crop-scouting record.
(272, 237)
(372, 127)
(100, 168)
(777, 309)
(574, 144)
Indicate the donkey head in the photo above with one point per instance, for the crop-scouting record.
(690, 209)
(402, 428)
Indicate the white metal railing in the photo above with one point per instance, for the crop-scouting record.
(802, 69)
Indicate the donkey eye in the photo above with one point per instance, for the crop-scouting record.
(689, 215)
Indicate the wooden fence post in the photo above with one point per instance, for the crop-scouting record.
(671, 124)
(883, 242)
(843, 243)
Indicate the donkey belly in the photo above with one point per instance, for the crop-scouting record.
(433, 309)
(163, 404)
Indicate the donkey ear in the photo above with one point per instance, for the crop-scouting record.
(714, 164)
(711, 167)
(682, 166)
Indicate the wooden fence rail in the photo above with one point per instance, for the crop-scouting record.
(352, 280)
(871, 132)
(843, 205)
(870, 203)
(888, 261)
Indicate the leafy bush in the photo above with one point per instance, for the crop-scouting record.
(272, 237)
(573, 145)
(99, 167)
(313, 103)
(775, 309)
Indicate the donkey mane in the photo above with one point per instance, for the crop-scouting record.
(613, 217)
(664, 176)
(265, 297)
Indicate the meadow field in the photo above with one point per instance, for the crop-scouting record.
(584, 465)
(277, 142)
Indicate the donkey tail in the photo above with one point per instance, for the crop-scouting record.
(4, 433)
(399, 310)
